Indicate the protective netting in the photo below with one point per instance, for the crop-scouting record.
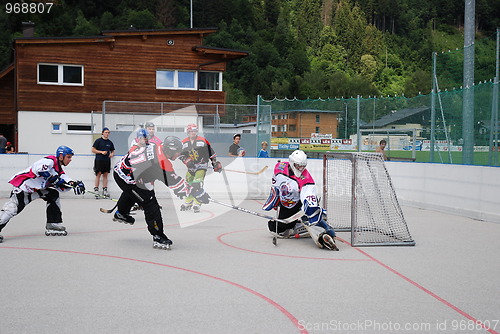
(437, 118)
(359, 197)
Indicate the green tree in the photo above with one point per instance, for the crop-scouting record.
(309, 22)
(84, 27)
(349, 26)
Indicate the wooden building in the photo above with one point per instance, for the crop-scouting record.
(76, 74)
(301, 123)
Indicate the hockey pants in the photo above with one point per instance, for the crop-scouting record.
(146, 198)
(19, 199)
(191, 179)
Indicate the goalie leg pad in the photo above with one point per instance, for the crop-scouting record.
(281, 230)
(316, 232)
(301, 230)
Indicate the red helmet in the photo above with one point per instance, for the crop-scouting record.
(192, 127)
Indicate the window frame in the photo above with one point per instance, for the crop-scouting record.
(196, 80)
(176, 79)
(219, 81)
(72, 131)
(60, 75)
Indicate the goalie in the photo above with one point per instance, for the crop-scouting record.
(293, 189)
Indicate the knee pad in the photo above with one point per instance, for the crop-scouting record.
(8, 211)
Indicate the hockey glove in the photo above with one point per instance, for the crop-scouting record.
(56, 181)
(181, 188)
(200, 194)
(217, 166)
(78, 187)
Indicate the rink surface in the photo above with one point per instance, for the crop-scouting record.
(224, 275)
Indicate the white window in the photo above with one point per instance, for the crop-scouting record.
(174, 79)
(56, 127)
(192, 80)
(59, 74)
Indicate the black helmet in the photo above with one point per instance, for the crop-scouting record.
(172, 145)
(149, 125)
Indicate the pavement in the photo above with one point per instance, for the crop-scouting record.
(224, 275)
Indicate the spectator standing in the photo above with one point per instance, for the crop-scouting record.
(3, 143)
(235, 150)
(263, 151)
(9, 148)
(104, 150)
(381, 148)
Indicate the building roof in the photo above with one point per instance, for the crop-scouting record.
(227, 53)
(306, 111)
(6, 70)
(394, 117)
(111, 35)
(229, 126)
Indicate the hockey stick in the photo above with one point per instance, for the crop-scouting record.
(101, 196)
(277, 220)
(243, 172)
(108, 210)
(285, 221)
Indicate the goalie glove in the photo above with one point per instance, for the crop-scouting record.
(217, 166)
(78, 187)
(199, 193)
(272, 201)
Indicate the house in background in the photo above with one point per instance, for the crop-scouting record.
(54, 83)
(302, 123)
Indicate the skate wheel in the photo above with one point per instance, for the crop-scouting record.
(47, 233)
(65, 233)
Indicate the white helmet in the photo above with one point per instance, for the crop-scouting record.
(298, 162)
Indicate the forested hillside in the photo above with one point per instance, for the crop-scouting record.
(299, 48)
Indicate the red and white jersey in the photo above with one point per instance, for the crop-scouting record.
(292, 189)
(35, 177)
(145, 164)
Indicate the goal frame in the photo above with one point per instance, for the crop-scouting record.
(352, 157)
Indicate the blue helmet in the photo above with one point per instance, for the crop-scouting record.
(64, 150)
(142, 133)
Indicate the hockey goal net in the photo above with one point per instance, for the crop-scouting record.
(359, 197)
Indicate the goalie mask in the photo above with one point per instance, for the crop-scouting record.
(298, 162)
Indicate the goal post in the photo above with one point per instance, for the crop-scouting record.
(359, 197)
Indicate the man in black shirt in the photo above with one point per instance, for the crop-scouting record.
(235, 150)
(104, 150)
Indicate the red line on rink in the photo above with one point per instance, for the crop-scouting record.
(267, 299)
(219, 238)
(427, 291)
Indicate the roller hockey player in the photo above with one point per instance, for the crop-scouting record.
(135, 174)
(44, 179)
(196, 154)
(152, 138)
(293, 189)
